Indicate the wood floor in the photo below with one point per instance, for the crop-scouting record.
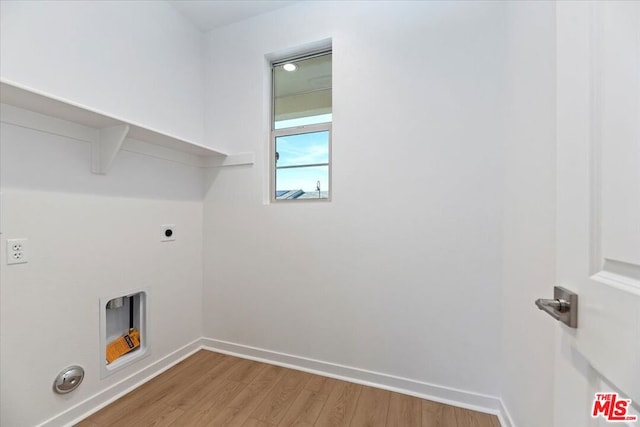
(212, 389)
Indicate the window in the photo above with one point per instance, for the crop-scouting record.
(301, 128)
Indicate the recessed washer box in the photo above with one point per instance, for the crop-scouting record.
(118, 313)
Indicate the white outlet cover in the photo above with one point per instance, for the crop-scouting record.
(17, 251)
(168, 229)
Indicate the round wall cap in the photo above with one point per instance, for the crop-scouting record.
(69, 379)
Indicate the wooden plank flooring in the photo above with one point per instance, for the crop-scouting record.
(212, 389)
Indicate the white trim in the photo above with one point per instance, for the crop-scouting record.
(306, 48)
(618, 281)
(504, 416)
(298, 130)
(447, 395)
(239, 159)
(82, 410)
(47, 124)
(132, 139)
(158, 152)
(464, 399)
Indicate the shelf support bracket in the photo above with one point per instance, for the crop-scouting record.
(107, 146)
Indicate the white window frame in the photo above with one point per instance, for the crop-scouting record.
(297, 130)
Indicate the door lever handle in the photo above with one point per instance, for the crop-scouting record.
(553, 307)
(556, 304)
(563, 307)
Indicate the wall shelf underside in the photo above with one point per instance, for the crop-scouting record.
(107, 135)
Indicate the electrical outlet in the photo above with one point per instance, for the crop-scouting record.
(168, 233)
(17, 251)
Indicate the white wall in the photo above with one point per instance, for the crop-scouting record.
(424, 266)
(400, 273)
(529, 214)
(89, 236)
(136, 60)
(92, 236)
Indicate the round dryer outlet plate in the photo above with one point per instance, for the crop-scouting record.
(68, 379)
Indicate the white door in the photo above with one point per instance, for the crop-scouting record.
(598, 201)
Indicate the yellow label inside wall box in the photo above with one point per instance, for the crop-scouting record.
(123, 345)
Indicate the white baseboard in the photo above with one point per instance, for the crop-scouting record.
(447, 395)
(504, 416)
(464, 399)
(98, 401)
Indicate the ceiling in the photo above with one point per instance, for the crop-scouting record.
(210, 14)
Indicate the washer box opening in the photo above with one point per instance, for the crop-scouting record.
(123, 331)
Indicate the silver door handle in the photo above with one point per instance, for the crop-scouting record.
(554, 307)
(563, 307)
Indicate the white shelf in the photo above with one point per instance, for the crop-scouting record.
(113, 134)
